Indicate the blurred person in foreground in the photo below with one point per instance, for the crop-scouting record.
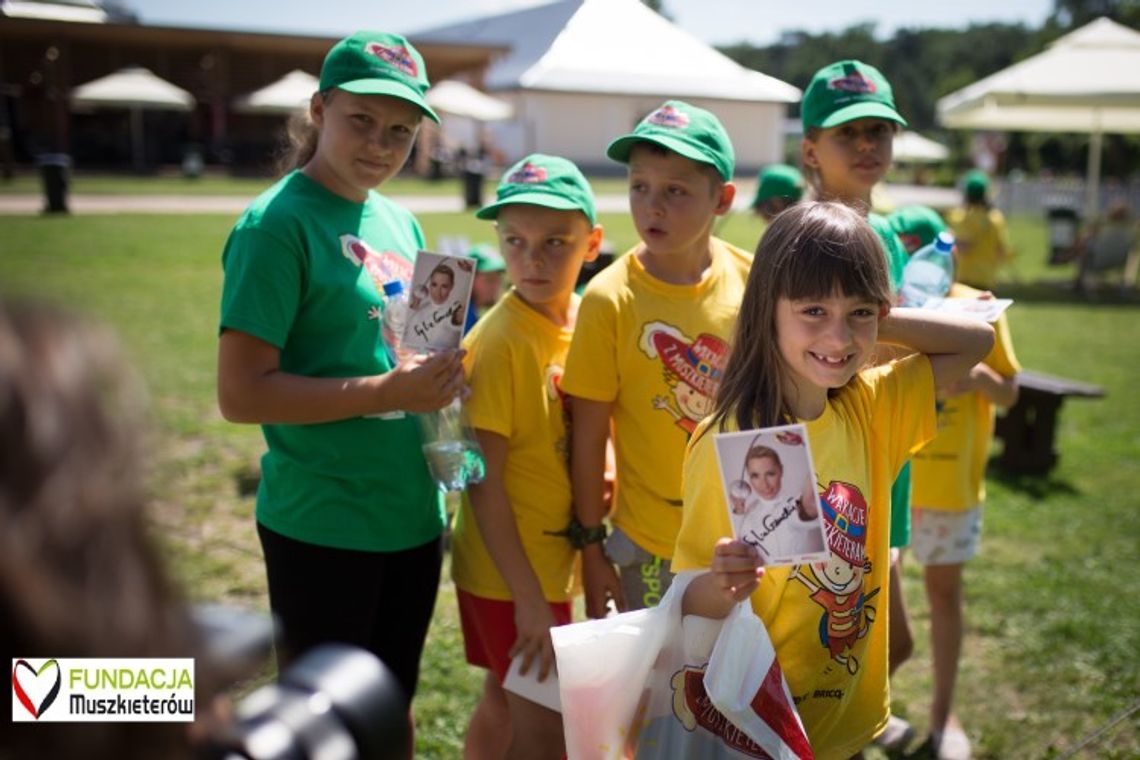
(79, 574)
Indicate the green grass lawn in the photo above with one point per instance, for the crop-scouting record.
(1052, 639)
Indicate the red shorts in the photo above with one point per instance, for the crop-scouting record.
(489, 629)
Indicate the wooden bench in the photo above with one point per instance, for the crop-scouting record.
(1029, 427)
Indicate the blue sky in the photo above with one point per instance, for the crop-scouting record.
(715, 21)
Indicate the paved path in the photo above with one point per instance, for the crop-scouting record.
(21, 205)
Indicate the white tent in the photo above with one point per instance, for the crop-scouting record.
(136, 89)
(288, 94)
(1086, 81)
(581, 72)
(911, 147)
(460, 99)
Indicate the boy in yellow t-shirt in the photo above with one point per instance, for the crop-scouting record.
(649, 350)
(949, 491)
(511, 561)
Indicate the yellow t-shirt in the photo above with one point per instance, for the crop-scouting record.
(949, 472)
(828, 621)
(514, 367)
(657, 352)
(983, 244)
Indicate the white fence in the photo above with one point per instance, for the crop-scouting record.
(1034, 196)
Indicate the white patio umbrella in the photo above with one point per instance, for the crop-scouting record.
(136, 89)
(1087, 81)
(459, 99)
(288, 94)
(911, 147)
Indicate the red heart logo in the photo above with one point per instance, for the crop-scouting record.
(359, 250)
(21, 693)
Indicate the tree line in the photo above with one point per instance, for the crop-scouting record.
(925, 64)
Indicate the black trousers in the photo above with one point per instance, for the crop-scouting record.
(379, 601)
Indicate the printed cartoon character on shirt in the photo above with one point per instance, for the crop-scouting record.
(692, 371)
(552, 382)
(837, 584)
(381, 267)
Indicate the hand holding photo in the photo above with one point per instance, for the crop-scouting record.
(440, 298)
(769, 486)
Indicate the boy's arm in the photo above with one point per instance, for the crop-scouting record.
(253, 389)
(953, 344)
(497, 526)
(591, 429)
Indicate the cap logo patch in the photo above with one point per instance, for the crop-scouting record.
(668, 116)
(396, 56)
(853, 82)
(528, 173)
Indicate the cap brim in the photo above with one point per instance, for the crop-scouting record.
(391, 88)
(491, 210)
(620, 148)
(862, 111)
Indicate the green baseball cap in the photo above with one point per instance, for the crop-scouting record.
(845, 91)
(377, 63)
(779, 181)
(541, 180)
(916, 225)
(976, 185)
(487, 259)
(684, 129)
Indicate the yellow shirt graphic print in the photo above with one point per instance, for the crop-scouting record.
(692, 370)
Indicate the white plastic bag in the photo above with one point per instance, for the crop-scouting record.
(745, 683)
(602, 666)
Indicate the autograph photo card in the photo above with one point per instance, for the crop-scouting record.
(769, 490)
(439, 300)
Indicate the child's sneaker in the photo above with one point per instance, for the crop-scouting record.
(896, 736)
(953, 744)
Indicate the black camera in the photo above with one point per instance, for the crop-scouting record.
(337, 702)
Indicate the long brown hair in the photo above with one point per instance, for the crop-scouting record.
(79, 573)
(301, 136)
(812, 250)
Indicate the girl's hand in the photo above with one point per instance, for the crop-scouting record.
(533, 621)
(426, 382)
(737, 568)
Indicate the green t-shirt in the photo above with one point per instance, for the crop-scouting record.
(304, 270)
(900, 490)
(892, 246)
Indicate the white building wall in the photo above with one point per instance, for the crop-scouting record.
(579, 126)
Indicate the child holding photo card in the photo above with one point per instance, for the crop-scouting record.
(816, 302)
(785, 526)
(513, 557)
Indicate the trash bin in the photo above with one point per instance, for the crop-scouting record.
(55, 169)
(1064, 223)
(473, 188)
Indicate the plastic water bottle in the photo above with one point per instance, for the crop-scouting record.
(394, 319)
(453, 454)
(929, 273)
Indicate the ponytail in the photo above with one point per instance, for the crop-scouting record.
(301, 136)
